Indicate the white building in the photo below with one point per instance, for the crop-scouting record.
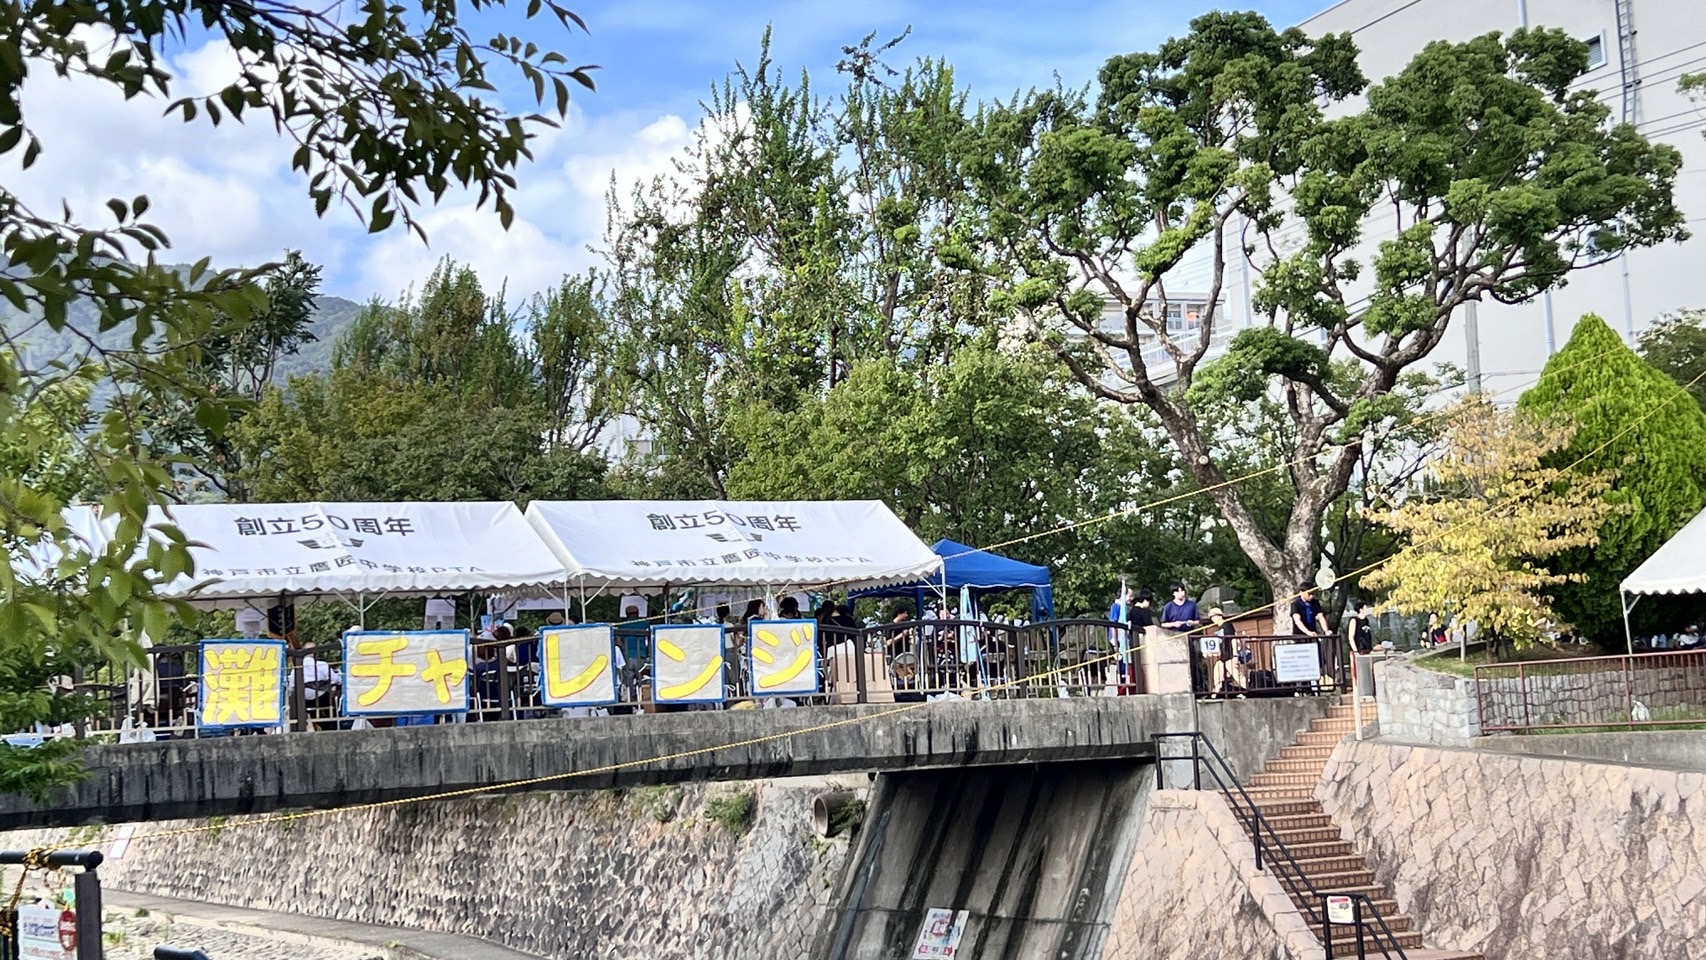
(1641, 48)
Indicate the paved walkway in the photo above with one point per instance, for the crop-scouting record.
(395, 940)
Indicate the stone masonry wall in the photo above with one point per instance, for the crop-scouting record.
(1425, 706)
(1528, 857)
(1192, 891)
(615, 875)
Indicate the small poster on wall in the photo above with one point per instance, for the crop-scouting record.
(941, 934)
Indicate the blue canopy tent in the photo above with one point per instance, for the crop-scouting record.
(981, 572)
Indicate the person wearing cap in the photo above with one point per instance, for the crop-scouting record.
(1228, 664)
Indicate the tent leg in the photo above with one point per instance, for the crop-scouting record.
(1628, 636)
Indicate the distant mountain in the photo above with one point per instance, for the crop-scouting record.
(331, 316)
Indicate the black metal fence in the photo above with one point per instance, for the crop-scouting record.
(897, 662)
(1267, 666)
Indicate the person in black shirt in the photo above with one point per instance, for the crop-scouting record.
(1307, 620)
(1362, 632)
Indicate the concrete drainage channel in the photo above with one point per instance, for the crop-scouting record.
(136, 923)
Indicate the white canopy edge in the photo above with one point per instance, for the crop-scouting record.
(1677, 567)
(843, 544)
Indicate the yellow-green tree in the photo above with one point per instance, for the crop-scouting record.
(1489, 515)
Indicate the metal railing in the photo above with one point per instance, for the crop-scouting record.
(896, 662)
(1254, 666)
(1629, 691)
(1271, 852)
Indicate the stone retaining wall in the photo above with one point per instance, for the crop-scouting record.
(1425, 706)
(1527, 857)
(618, 875)
(1192, 891)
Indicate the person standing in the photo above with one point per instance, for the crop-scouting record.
(1307, 617)
(1361, 629)
(1180, 613)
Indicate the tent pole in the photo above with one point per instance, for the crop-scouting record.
(1623, 602)
(583, 597)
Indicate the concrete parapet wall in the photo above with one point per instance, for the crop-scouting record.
(1192, 890)
(1527, 857)
(1680, 749)
(239, 775)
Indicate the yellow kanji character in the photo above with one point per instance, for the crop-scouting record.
(442, 673)
(383, 672)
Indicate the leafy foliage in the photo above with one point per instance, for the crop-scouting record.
(386, 106)
(1675, 345)
(1494, 512)
(1495, 174)
(437, 398)
(1634, 423)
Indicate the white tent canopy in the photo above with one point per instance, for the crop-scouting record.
(255, 551)
(1677, 567)
(804, 544)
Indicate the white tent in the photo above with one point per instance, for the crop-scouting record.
(1677, 567)
(802, 544)
(256, 551)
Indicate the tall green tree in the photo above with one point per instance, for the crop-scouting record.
(388, 107)
(1479, 171)
(444, 395)
(996, 448)
(1636, 424)
(1675, 345)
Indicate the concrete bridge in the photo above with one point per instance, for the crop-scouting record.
(258, 774)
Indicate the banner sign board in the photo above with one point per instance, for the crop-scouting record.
(1297, 662)
(46, 933)
(405, 672)
(1339, 910)
(940, 937)
(242, 683)
(783, 657)
(687, 664)
(579, 668)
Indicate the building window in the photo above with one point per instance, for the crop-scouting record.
(1596, 50)
(1175, 318)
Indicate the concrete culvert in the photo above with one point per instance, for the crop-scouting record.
(832, 812)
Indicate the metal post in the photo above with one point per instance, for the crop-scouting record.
(1628, 637)
(1196, 762)
(1551, 331)
(1628, 692)
(1472, 334)
(1326, 926)
(1356, 917)
(87, 886)
(859, 678)
(1522, 685)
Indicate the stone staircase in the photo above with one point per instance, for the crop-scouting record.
(1285, 793)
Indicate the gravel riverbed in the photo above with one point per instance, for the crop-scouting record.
(129, 936)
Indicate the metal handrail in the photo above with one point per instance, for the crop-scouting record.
(1310, 900)
(1357, 902)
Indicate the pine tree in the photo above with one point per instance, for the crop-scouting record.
(1633, 421)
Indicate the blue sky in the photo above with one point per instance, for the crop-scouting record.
(229, 193)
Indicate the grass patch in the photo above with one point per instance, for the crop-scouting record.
(733, 810)
(1446, 661)
(660, 802)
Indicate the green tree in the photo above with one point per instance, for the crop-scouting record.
(1479, 171)
(799, 238)
(1676, 346)
(1651, 437)
(1492, 512)
(994, 449)
(388, 108)
(437, 397)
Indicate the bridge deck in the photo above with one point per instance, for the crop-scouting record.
(258, 774)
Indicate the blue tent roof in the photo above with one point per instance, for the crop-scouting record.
(980, 570)
(964, 566)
